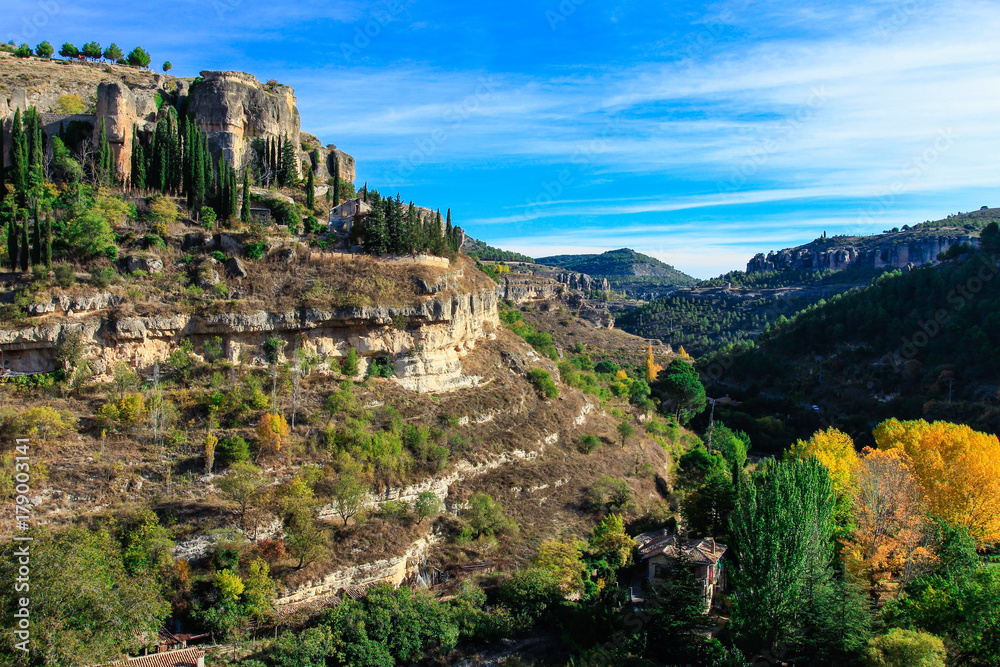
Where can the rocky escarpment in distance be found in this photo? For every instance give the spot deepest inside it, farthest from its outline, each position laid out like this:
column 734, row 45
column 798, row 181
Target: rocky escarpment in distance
column 886, row 251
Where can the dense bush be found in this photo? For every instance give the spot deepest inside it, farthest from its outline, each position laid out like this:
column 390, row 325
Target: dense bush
column 543, row 382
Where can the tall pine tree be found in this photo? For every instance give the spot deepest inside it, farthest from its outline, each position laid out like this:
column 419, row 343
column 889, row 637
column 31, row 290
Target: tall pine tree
column 19, row 159
column 103, row 158
column 287, row 174
column 336, row 180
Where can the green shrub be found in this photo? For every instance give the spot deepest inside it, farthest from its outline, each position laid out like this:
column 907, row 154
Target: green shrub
column 255, row 251
column 609, row 494
column 65, row 275
column 543, row 383
column 153, row 241
column 380, row 367
column 232, row 450
column 588, row 444
column 208, row 217
column 349, row 364
column 101, row 278
column 484, row 516
column 219, row 256
column 607, row 368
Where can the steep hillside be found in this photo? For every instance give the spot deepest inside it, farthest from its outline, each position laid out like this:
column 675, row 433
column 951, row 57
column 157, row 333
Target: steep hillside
column 917, row 344
column 485, row 252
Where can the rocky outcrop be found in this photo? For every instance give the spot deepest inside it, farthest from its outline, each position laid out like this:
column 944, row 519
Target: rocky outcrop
column 233, row 108
column 889, row 253
column 121, row 108
column 424, row 343
column 326, row 160
column 520, row 288
column 582, row 281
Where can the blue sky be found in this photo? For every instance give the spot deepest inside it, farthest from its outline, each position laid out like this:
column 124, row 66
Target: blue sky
column 700, row 133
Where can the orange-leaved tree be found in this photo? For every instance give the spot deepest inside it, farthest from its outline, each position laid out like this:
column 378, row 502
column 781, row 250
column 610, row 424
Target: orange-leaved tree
column 958, row 468
column 272, row 432
column 890, row 541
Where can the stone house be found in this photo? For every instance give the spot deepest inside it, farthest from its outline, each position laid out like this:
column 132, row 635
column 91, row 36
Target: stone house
column 342, row 216
column 703, row 555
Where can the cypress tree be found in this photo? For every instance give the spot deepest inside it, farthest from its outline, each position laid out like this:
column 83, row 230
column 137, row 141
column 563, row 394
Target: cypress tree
column 24, row 251
column 208, row 167
column 47, row 248
column 288, row 174
column 12, row 237
column 336, row 180
column 138, row 176
column 34, row 135
column 365, row 189
column 245, row 203
column 36, row 237
column 19, row 158
column 310, row 192
column 234, row 193
column 197, row 177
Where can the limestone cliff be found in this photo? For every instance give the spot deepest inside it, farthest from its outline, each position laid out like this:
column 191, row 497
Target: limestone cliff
column 425, row 343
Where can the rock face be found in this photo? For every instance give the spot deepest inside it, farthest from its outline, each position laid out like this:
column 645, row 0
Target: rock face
column 233, row 108
column 885, row 254
column 424, row 343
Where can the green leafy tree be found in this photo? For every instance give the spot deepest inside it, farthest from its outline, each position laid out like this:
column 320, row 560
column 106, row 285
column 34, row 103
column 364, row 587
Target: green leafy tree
column 138, row 57
column 69, row 51
column 23, row 51
column 427, row 506
column 44, row 50
column 242, row 486
column 485, row 516
column 167, row 66
column 245, row 199
column 113, row 53
column 625, row 432
column 92, row 50
column 782, row 530
column 86, row 608
column 683, row 388
column 349, row 491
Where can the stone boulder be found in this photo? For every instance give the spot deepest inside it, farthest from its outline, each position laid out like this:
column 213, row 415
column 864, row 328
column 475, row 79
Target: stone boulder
column 147, row 264
column 235, row 268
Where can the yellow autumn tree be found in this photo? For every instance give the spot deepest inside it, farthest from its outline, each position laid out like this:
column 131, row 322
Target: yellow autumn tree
column 890, row 541
column 958, row 468
column 683, row 353
column 564, row 559
column 652, row 368
column 835, row 450
column 272, row 431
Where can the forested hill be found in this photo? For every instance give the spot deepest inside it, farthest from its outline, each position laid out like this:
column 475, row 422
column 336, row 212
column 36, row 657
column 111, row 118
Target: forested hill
column 622, row 262
column 919, row 344
column 485, row 252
